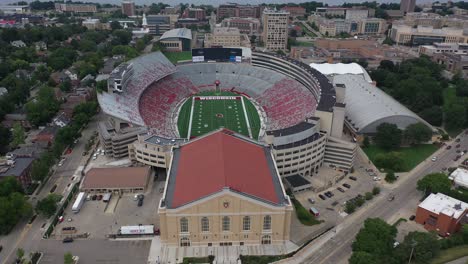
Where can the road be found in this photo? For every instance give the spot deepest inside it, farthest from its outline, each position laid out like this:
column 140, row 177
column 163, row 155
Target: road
column 26, row 235
column 338, row 249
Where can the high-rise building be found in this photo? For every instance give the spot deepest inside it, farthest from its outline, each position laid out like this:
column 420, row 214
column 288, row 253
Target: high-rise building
column 275, row 29
column 128, row 8
column 235, row 10
column 226, row 37
column 407, row 6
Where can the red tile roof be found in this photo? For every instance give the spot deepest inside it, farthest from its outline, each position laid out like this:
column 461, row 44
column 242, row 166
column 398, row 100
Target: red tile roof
column 219, row 160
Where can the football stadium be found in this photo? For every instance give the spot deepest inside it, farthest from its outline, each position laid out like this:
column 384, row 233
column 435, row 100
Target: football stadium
column 155, row 105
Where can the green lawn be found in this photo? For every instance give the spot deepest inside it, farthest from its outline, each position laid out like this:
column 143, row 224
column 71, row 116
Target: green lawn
column 260, row 259
column 451, row 254
column 303, row 214
column 209, row 115
column 174, row 57
column 412, row 156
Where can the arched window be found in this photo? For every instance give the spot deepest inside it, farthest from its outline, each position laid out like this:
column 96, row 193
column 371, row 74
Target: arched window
column 205, row 224
column 185, row 242
column 266, row 240
column 226, row 223
column 183, row 225
column 267, row 222
column 246, row 223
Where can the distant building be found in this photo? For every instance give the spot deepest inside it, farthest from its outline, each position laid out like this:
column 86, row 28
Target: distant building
column 407, row 6
column 226, row 37
column 460, row 177
column 236, row 10
column 295, row 11
column 18, row 44
column 426, row 35
column 442, row 214
column 47, row 135
column 357, row 13
column 171, row 10
column 116, row 180
column 14, row 9
column 275, row 29
column 158, row 24
column 179, row 39
column 128, row 8
column 94, row 24
column 454, row 48
column 18, row 167
column 331, row 11
column 196, row 13
column 75, row 8
column 249, row 26
column 454, row 63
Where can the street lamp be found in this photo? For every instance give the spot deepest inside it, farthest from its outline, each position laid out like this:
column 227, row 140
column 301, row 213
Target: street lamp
column 413, row 244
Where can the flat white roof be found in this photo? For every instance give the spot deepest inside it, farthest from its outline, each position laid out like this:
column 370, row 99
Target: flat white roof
column 341, row 68
column 460, row 177
column 441, row 203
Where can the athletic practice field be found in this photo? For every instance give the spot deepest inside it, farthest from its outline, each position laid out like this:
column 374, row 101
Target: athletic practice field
column 208, row 111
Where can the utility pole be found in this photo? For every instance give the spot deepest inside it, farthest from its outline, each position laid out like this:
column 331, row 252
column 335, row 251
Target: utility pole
column 413, row 244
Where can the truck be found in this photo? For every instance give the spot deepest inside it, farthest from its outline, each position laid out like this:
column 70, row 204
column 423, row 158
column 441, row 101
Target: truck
column 137, row 230
column 78, row 202
column 107, row 197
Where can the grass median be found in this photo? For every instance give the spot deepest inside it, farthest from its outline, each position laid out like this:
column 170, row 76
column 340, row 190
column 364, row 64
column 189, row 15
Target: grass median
column 451, row 254
column 303, row 215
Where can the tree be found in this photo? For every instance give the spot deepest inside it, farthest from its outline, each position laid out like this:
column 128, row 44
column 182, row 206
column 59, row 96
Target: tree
column 5, row 136
column 376, row 238
column 390, row 177
column 426, row 247
column 390, row 160
column 115, row 25
column 48, row 205
column 68, row 258
column 388, row 136
column 369, row 196
column 361, row 257
column 417, row 133
column 66, row 85
column 18, row 135
column 366, row 142
column 387, row 65
column 41, row 74
column 375, row 190
column 434, row 183
column 13, row 204
column 360, row 201
column 140, row 45
column 433, row 115
column 455, row 116
column 121, row 37
column 20, row 253
column 350, row 207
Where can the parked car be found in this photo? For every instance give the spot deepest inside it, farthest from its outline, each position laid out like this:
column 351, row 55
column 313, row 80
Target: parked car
column 68, row 228
column 340, row 189
column 99, row 197
column 1, row 248
column 140, row 202
column 322, row 197
column 449, row 147
column 457, row 146
column 312, row 201
column 353, row 178
column 94, row 197
column 411, row 218
column 141, row 197
column 346, row 185
column 457, row 140
column 391, row 197
column 327, row 195
column 434, row 159
column 157, row 232
column 67, row 240
column 335, row 203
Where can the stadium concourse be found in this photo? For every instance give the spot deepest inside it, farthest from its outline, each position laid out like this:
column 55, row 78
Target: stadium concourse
column 283, row 103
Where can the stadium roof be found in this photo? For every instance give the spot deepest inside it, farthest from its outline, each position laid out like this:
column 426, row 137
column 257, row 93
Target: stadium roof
column 367, row 106
column 221, row 160
column 341, row 68
column 177, row 33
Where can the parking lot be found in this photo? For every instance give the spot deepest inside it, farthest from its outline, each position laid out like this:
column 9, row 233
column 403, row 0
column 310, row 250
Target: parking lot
column 100, row 219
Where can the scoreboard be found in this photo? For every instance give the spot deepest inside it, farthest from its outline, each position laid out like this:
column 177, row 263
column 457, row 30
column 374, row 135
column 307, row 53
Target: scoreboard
column 217, row 54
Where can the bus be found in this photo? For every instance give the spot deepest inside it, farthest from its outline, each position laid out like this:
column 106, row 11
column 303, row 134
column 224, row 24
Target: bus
column 314, row 211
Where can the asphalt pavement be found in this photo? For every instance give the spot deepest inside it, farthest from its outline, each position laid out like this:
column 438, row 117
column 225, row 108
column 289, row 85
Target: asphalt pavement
column 338, row 248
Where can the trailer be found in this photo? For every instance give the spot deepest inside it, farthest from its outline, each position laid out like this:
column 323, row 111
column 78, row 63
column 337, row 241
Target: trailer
column 78, row 202
column 137, row 230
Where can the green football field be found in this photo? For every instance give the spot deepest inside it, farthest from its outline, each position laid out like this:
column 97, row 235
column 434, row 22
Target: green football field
column 202, row 116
